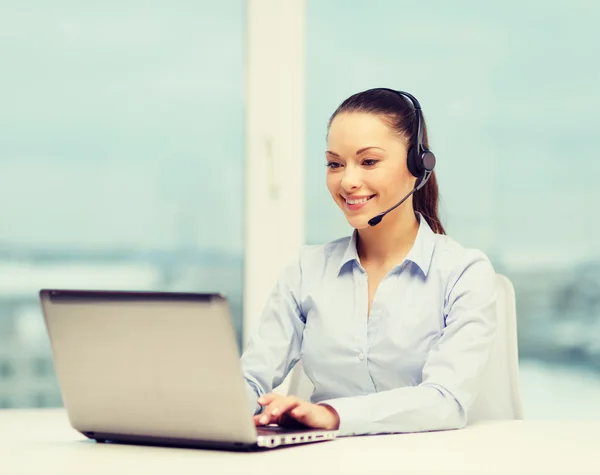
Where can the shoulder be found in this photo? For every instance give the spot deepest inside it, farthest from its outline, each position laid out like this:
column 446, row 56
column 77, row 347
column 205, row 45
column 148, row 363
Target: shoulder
column 314, row 262
column 319, row 255
column 460, row 264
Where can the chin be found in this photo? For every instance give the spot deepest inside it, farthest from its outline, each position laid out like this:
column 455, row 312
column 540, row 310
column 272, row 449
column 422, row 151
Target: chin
column 358, row 222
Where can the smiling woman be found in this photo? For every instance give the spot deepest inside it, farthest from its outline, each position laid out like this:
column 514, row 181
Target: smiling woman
column 394, row 324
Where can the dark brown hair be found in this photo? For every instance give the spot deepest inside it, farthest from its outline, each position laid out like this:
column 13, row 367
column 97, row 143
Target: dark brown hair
column 400, row 115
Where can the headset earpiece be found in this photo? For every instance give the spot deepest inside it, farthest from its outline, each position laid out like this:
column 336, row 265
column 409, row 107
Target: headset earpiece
column 427, row 160
column 414, row 163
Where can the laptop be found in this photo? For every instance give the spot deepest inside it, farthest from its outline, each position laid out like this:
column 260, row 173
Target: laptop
column 158, row 368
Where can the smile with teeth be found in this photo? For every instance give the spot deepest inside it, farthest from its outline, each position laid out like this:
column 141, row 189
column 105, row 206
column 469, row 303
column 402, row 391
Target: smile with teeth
column 360, row 200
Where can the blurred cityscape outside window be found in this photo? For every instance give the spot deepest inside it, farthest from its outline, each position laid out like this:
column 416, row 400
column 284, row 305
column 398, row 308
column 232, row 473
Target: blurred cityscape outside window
column 121, row 162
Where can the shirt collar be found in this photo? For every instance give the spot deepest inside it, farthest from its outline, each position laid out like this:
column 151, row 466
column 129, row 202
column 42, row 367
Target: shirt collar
column 350, row 253
column 420, row 254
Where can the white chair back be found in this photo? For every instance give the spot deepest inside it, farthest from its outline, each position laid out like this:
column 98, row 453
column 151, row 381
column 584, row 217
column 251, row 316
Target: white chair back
column 500, row 394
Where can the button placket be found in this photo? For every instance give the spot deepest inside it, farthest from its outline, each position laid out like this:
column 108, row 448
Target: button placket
column 361, row 305
column 377, row 307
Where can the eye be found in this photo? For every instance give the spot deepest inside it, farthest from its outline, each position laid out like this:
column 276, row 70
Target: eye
column 333, row 165
column 369, row 162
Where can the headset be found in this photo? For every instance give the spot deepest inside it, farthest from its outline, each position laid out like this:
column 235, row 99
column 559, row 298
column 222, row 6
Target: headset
column 419, row 159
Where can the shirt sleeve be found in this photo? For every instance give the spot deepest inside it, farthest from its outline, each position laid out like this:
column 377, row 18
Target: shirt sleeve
column 274, row 346
column 452, row 372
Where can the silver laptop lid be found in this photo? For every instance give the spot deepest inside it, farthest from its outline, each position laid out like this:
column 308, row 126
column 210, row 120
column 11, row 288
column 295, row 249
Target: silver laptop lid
column 145, row 363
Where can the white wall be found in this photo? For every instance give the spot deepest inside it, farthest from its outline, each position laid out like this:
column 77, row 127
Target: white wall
column 274, row 147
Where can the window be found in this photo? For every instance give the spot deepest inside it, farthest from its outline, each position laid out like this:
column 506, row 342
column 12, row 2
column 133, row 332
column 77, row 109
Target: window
column 42, row 367
column 6, row 370
column 509, row 93
column 40, row 400
column 121, row 158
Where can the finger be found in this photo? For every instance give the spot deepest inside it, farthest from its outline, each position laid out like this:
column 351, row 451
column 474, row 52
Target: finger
column 297, row 417
column 283, row 405
column 273, row 412
column 302, row 410
column 264, row 418
column 267, row 399
column 256, row 419
column 304, row 414
column 307, row 415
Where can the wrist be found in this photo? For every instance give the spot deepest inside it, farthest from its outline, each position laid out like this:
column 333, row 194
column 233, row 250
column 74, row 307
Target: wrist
column 335, row 417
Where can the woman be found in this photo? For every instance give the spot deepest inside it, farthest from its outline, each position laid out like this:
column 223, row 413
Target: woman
column 394, row 324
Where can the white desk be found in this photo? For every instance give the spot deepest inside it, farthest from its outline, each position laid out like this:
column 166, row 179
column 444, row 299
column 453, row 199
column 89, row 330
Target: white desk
column 42, row 442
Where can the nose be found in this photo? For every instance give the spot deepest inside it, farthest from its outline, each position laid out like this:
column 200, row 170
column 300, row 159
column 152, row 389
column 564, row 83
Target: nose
column 351, row 179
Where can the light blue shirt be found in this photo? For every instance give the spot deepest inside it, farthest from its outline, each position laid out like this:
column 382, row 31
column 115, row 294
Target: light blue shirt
column 413, row 365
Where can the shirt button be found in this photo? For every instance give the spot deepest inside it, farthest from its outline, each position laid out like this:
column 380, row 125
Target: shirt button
column 361, row 356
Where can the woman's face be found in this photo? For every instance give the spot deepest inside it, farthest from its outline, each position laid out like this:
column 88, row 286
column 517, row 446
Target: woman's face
column 366, row 166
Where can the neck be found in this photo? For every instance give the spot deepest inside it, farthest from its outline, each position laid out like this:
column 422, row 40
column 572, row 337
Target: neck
column 389, row 241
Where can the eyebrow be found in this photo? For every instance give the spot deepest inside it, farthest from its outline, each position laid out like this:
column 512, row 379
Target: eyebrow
column 358, row 152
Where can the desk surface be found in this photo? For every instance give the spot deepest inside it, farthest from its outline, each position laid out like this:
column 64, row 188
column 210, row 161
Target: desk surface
column 43, row 442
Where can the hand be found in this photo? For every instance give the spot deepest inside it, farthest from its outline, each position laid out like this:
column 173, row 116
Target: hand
column 287, row 410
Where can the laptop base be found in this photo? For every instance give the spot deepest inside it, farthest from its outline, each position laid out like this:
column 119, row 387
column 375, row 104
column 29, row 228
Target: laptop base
column 101, row 438
column 266, row 442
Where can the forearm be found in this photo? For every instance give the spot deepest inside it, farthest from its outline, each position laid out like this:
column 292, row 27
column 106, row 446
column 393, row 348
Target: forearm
column 411, row 409
column 274, row 346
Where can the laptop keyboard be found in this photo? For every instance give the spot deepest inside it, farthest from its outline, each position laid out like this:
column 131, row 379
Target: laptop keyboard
column 271, row 430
